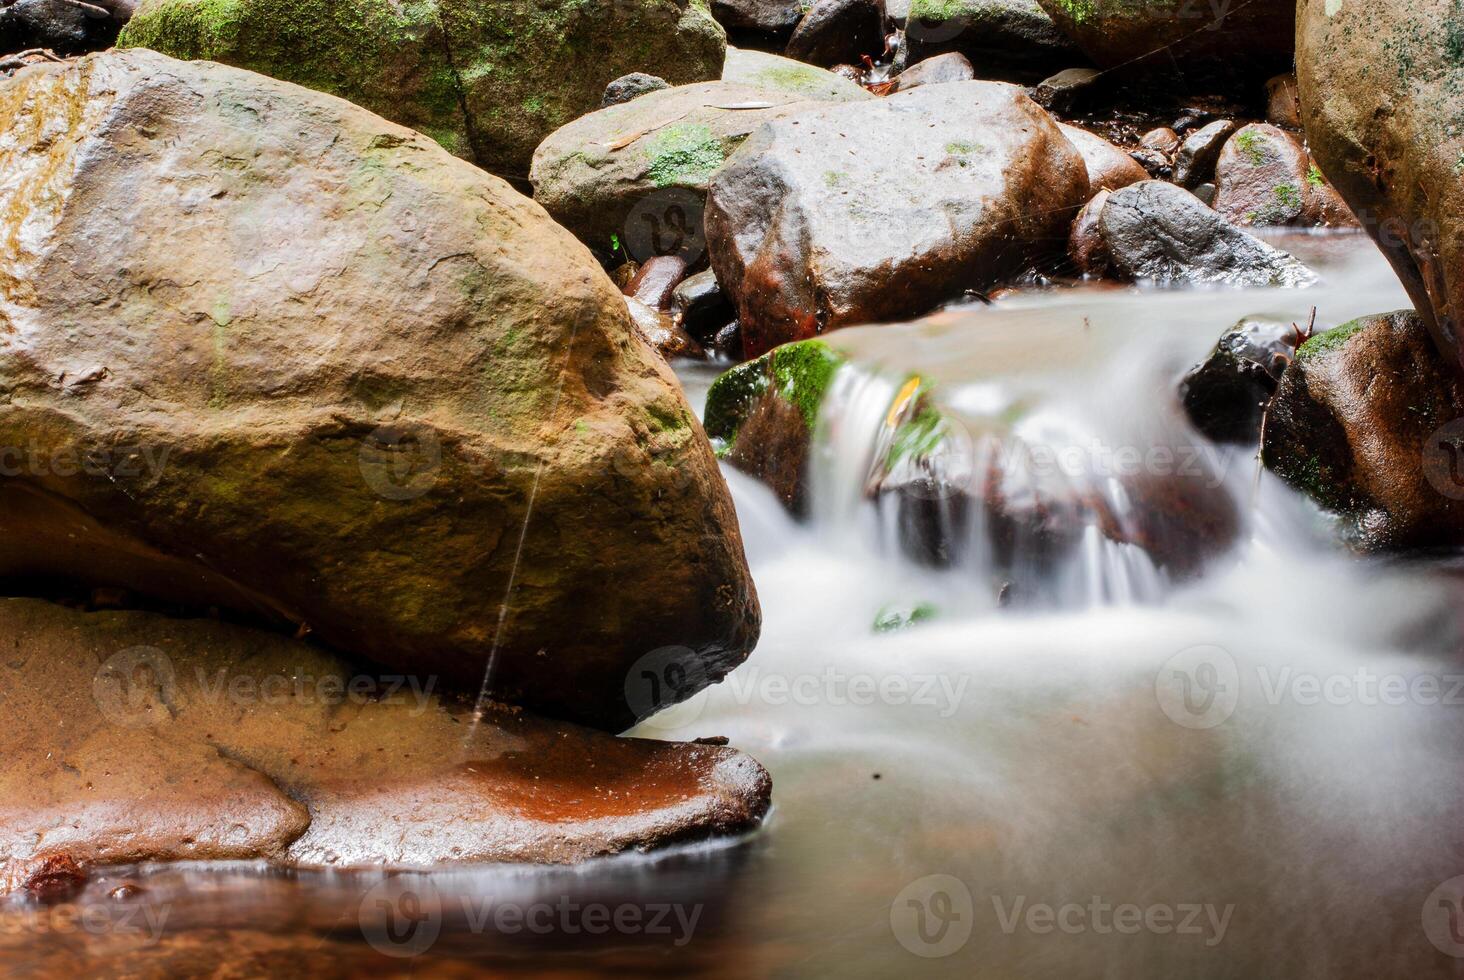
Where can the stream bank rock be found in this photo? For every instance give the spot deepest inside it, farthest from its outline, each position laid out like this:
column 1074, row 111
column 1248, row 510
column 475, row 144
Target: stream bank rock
column 422, row 438
column 1369, row 422
column 133, row 737
column 1380, row 84
column 487, row 79
column 1157, row 232
column 808, row 230
column 1005, row 40
column 1195, row 43
column 637, row 173
column 774, row 73
column 837, row 32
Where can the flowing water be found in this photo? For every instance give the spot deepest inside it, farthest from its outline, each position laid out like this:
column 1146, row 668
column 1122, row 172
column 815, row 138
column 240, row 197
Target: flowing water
column 1253, row 771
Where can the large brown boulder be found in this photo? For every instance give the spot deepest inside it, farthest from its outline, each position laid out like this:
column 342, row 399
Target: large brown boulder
column 488, row 79
column 316, row 369
column 1195, row 41
column 131, row 736
column 1379, row 84
column 875, row 211
column 1367, row 421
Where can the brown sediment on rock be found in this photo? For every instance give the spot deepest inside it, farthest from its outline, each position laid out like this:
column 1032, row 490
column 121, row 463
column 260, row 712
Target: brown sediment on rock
column 135, row 737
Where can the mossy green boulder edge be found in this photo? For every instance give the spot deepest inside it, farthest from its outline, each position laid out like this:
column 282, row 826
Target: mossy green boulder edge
column 488, row 79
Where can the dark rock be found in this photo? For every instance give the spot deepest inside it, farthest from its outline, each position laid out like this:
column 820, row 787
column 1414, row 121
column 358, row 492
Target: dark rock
column 1349, row 420
column 728, row 342
column 1226, row 395
column 1194, row 163
column 631, row 86
column 1205, row 194
column 342, row 438
column 1195, row 45
column 837, row 31
column 656, row 280
column 1109, row 168
column 1005, row 40
column 1158, row 232
column 134, row 737
column 1283, row 104
column 701, row 307
column 1068, row 90
column 60, row 26
column 807, row 232
column 949, row 67
column 758, row 22
column 1154, row 162
column 1379, row 85
column 1085, row 244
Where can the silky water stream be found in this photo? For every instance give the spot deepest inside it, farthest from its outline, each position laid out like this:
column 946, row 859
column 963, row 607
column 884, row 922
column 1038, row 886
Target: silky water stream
column 1250, row 771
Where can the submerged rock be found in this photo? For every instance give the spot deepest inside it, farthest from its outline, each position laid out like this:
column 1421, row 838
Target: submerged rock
column 421, row 438
column 1226, row 395
column 636, row 174
column 834, row 32
column 1265, row 177
column 1366, row 421
column 1158, row 232
column 808, row 231
column 134, row 737
column 1005, row 40
column 1379, row 85
column 487, row 79
column 1109, row 168
column 1195, row 43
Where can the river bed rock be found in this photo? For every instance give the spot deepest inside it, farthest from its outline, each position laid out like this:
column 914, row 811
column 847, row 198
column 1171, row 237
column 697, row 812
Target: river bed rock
column 136, row 737
column 1157, row 232
column 1366, row 421
column 774, row 73
column 1226, row 395
column 807, row 231
column 836, row 32
column 1109, row 168
column 1264, row 176
column 1005, row 40
column 1380, row 84
column 768, row 22
column 637, row 173
column 488, row 79
column 421, row 438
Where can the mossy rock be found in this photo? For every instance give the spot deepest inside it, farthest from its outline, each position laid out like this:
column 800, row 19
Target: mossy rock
column 488, row 79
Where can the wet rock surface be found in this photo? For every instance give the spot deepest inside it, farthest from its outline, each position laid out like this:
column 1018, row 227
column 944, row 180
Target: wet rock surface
column 195, row 739
column 487, row 80
column 344, row 438
column 1226, row 395
column 1379, row 86
column 1194, row 162
column 950, row 67
column 1366, row 422
column 1264, row 176
column 1158, row 232
column 807, row 233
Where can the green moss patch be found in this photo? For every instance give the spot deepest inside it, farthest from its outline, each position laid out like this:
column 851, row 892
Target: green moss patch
column 799, row 373
column 684, row 154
